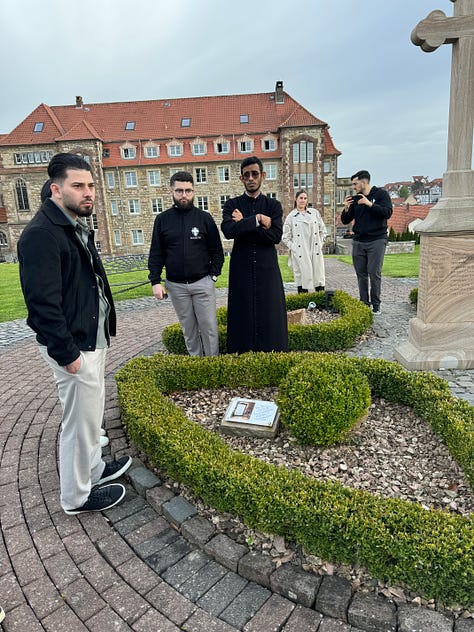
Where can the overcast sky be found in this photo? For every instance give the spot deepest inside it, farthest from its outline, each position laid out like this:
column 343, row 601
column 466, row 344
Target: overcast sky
column 349, row 62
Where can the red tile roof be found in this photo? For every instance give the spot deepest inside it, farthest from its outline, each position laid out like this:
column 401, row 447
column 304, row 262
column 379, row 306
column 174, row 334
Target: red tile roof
column 161, row 120
column 402, row 216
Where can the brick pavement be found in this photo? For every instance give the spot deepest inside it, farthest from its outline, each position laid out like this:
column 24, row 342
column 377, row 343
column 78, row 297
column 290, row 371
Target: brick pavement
column 151, row 563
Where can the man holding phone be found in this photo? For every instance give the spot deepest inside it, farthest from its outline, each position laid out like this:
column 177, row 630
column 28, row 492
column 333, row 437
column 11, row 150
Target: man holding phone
column 369, row 209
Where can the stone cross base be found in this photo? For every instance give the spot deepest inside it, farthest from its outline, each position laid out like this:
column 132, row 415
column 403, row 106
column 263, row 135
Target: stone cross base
column 442, row 334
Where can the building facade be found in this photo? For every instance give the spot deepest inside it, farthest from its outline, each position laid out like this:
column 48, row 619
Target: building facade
column 134, row 148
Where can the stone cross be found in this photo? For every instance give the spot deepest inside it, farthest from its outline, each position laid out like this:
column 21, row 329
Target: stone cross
column 432, row 32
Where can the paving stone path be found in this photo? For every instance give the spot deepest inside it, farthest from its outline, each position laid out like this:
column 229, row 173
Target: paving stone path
column 152, row 563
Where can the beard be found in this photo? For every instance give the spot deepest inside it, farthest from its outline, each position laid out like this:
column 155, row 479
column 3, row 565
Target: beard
column 78, row 209
column 183, row 203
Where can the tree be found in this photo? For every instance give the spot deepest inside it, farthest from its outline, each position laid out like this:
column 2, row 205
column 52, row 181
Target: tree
column 417, row 187
column 404, row 191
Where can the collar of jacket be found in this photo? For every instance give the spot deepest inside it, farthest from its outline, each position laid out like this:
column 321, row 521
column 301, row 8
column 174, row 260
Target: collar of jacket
column 54, row 214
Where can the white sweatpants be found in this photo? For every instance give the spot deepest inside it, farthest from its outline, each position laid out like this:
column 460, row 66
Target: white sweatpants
column 82, row 398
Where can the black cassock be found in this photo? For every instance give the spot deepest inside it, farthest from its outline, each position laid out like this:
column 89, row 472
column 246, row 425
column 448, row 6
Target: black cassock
column 256, row 318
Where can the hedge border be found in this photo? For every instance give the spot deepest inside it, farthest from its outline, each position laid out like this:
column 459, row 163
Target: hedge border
column 339, row 334
column 430, row 551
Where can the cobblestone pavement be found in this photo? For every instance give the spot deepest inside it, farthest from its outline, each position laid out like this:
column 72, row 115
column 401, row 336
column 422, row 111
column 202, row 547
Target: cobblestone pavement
column 152, row 563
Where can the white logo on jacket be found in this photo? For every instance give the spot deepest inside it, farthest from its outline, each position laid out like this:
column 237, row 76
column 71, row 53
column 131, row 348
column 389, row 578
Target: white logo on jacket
column 195, row 233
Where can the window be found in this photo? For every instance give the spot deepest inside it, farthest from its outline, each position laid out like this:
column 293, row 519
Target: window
column 114, row 207
column 134, row 207
column 137, row 237
column 201, row 175
column 3, row 239
column 98, row 247
column 302, row 152
column 272, row 195
column 156, row 205
column 106, row 153
column 203, row 202
column 309, row 180
column 38, row 127
column 32, row 157
column 326, row 166
column 151, row 151
column 22, row 195
column 222, row 148
column 223, row 174
column 110, row 175
column 326, row 199
column 223, row 200
column 117, row 237
column 303, row 180
column 130, row 125
column 244, row 118
column 94, row 222
column 246, row 146
column 130, row 179
column 128, row 153
column 185, row 122
column 271, row 171
column 175, row 150
column 174, row 170
column 269, row 144
column 199, row 149
column 154, row 178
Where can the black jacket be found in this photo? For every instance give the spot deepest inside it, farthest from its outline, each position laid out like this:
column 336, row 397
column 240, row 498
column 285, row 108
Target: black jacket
column 187, row 244
column 370, row 223
column 60, row 286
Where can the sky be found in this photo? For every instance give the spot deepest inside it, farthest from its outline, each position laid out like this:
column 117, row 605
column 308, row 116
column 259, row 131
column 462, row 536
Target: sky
column 351, row 63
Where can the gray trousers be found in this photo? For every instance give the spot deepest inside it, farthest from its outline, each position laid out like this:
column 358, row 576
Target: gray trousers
column 367, row 257
column 82, row 398
column 195, row 306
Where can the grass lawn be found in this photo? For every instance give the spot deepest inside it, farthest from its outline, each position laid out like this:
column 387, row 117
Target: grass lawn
column 12, row 305
column 395, row 266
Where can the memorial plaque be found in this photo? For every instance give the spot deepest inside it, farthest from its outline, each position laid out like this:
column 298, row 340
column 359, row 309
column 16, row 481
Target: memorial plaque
column 251, row 417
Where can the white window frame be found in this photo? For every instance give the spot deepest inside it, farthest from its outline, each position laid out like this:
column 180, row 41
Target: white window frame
column 225, row 147
column 117, row 237
column 200, row 175
column 114, row 207
column 223, row 200
column 134, row 206
column 156, row 205
column 154, row 178
column 110, row 179
column 199, row 149
column 248, row 146
column 326, row 166
column 175, row 150
column 137, row 237
column 152, row 151
column 129, row 153
column 326, row 199
column 270, row 170
column 203, row 203
column 223, row 173
column 272, row 144
column 130, row 179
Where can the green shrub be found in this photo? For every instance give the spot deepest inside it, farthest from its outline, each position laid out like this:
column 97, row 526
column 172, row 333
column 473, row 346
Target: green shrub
column 413, row 296
column 428, row 551
column 321, row 401
column 354, row 319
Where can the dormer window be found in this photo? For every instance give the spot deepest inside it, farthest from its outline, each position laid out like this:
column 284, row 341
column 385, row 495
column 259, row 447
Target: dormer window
column 244, row 118
column 130, row 126
column 38, row 127
column 269, row 144
column 186, row 122
column 128, row 152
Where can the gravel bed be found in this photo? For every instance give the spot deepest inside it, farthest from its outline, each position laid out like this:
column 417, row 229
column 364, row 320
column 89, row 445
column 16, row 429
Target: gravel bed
column 392, row 453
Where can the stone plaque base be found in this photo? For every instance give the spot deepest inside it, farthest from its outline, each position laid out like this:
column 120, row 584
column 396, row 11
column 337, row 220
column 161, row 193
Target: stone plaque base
column 442, row 334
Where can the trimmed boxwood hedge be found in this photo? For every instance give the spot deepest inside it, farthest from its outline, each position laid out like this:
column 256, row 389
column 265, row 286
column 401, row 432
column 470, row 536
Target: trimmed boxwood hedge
column 341, row 333
column 430, row 551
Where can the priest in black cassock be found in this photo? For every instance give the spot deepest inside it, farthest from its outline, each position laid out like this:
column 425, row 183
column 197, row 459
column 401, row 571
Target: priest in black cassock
column 256, row 318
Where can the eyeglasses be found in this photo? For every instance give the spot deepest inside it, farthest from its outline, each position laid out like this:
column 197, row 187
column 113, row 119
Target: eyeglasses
column 183, row 191
column 247, row 175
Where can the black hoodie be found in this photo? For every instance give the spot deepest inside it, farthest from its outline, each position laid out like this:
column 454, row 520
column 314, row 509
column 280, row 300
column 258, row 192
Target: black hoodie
column 370, row 223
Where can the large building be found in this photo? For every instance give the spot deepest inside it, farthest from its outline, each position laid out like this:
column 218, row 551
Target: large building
column 134, row 147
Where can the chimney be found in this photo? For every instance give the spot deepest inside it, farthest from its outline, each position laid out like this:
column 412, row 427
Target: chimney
column 279, row 94
column 78, row 102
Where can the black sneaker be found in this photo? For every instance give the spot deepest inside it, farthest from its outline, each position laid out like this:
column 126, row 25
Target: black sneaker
column 100, row 499
column 114, row 469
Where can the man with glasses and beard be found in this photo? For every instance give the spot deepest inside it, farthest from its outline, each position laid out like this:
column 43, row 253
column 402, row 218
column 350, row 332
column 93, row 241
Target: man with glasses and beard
column 186, row 242
column 256, row 319
column 70, row 308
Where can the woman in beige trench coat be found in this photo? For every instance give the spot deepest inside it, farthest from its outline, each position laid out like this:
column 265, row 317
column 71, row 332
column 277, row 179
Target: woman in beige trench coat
column 303, row 234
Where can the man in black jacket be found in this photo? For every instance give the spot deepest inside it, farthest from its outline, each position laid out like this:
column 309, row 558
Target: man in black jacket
column 186, row 242
column 70, row 308
column 369, row 208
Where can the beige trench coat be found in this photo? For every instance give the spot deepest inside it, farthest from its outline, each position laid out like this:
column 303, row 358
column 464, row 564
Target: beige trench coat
column 304, row 234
